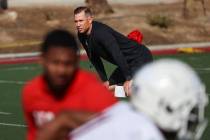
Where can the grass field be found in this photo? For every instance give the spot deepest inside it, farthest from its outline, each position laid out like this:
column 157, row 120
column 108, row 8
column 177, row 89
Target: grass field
column 12, row 78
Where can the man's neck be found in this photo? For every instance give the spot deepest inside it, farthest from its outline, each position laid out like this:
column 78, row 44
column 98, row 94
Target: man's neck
column 89, row 30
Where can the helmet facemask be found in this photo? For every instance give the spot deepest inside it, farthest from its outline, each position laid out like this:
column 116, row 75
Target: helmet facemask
column 195, row 126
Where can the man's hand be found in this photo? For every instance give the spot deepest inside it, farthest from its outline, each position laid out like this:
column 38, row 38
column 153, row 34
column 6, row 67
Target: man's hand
column 59, row 128
column 109, row 87
column 127, row 87
column 112, row 88
column 106, row 84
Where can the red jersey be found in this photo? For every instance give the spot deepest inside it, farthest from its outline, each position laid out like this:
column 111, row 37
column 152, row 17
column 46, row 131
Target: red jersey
column 84, row 93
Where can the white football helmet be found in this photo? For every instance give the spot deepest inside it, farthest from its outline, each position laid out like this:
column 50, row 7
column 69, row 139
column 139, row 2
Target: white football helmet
column 173, row 96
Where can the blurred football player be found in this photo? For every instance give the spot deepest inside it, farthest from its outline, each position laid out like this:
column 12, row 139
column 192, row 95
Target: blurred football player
column 62, row 86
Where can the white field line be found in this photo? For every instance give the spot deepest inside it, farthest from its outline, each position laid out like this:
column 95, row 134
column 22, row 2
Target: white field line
column 203, row 69
column 13, row 125
column 12, row 82
column 17, row 68
column 5, row 113
column 204, row 72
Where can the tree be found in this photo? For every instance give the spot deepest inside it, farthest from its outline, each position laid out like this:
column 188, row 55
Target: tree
column 99, row 6
column 194, row 8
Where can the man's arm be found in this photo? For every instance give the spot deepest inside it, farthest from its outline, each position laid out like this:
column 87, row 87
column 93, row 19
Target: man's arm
column 111, row 45
column 63, row 124
column 94, row 59
column 98, row 64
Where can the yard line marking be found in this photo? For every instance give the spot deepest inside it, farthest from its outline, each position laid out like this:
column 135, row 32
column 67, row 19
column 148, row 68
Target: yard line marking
column 17, row 68
column 204, row 72
column 5, row 113
column 12, row 82
column 204, row 69
column 12, row 124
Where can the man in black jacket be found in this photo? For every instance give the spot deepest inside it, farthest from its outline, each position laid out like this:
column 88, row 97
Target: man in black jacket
column 101, row 41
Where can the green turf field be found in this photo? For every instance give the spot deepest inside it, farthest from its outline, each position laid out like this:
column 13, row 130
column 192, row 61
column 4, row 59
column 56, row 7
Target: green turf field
column 13, row 76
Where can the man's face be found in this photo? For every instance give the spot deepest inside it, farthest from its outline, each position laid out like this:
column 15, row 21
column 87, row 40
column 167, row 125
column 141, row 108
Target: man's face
column 60, row 65
column 83, row 22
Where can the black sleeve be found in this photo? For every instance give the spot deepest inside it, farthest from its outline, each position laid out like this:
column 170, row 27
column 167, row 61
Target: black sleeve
column 98, row 64
column 109, row 42
column 95, row 60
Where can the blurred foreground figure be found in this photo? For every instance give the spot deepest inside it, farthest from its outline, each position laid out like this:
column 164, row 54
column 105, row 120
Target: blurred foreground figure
column 62, row 86
column 167, row 103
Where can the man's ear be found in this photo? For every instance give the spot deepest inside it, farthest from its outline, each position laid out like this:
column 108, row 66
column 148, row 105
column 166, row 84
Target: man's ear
column 90, row 19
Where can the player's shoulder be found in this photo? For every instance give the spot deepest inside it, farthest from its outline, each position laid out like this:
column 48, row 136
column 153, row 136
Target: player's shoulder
column 33, row 84
column 145, row 124
column 137, row 123
column 90, row 81
column 133, row 125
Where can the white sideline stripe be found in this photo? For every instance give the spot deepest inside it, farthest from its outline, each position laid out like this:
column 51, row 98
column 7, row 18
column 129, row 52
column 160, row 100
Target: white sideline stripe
column 175, row 46
column 5, row 113
column 12, row 82
column 19, row 55
column 12, row 124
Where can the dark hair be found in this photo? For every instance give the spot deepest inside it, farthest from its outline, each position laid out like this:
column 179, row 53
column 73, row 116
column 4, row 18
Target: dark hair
column 59, row 38
column 87, row 10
